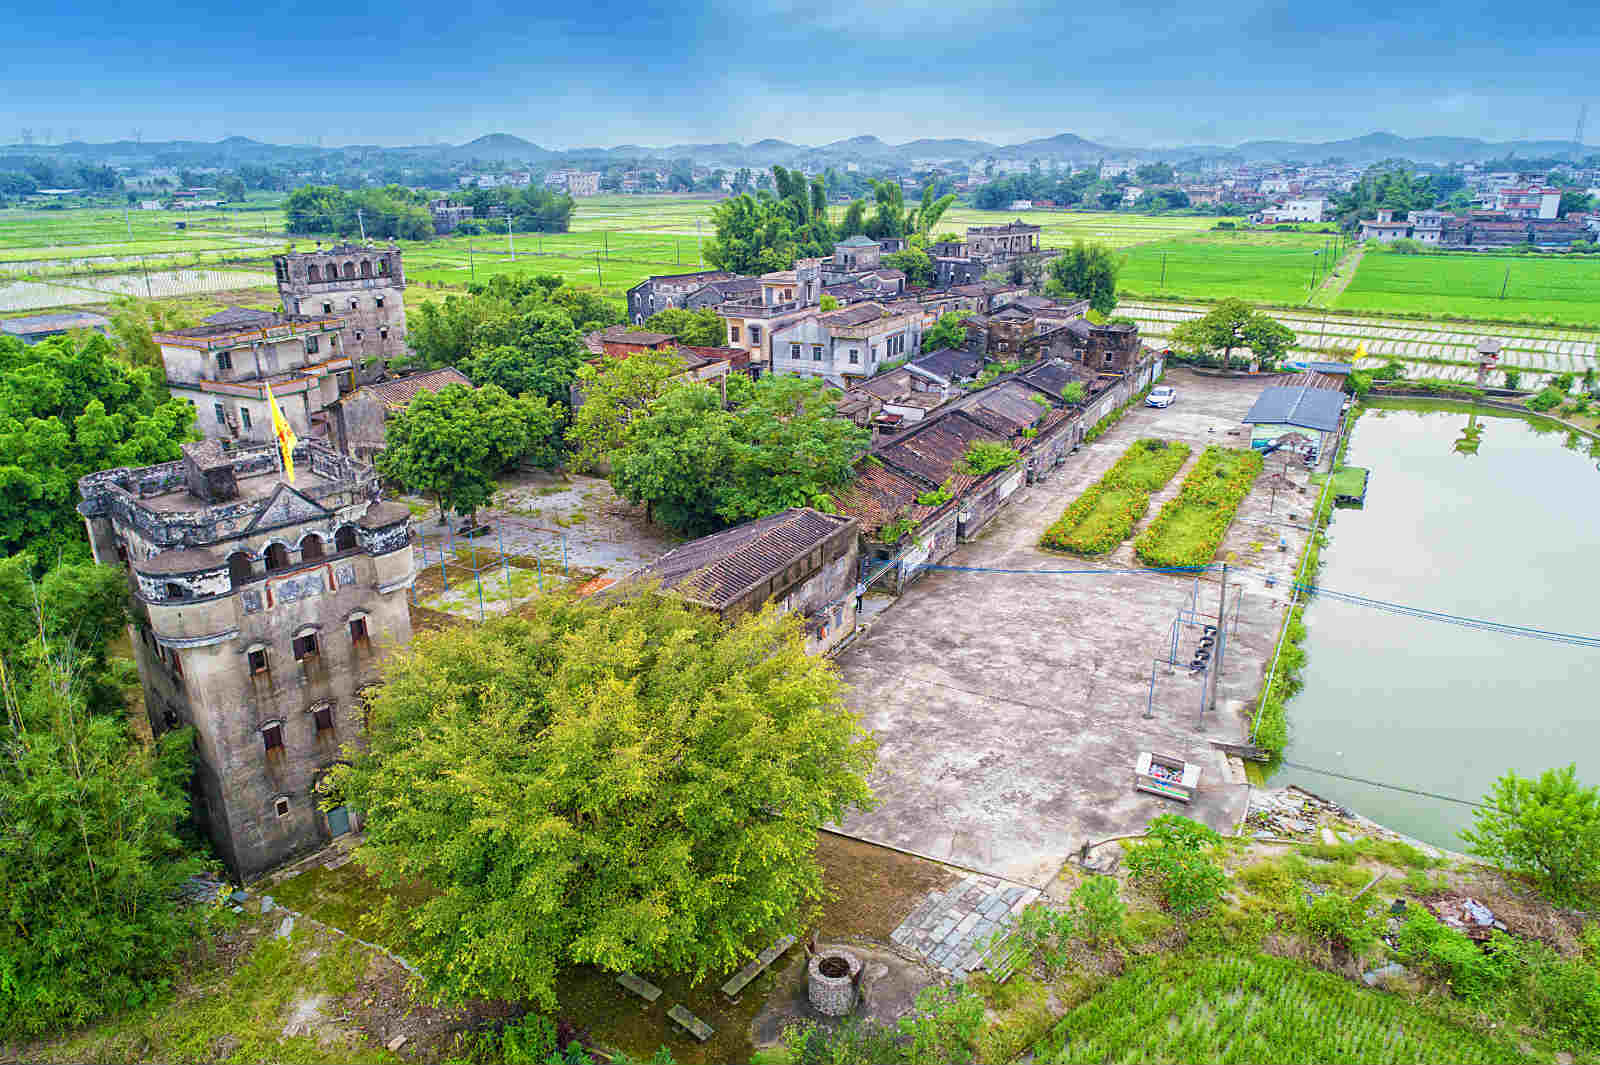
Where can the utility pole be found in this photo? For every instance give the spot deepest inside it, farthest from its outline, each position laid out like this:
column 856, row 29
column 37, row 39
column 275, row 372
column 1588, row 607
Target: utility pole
column 605, row 236
column 700, row 250
column 510, row 239
column 128, row 221
column 1163, row 270
column 362, row 222
column 1505, row 282
column 471, row 265
column 598, row 279
column 147, row 293
column 1222, row 641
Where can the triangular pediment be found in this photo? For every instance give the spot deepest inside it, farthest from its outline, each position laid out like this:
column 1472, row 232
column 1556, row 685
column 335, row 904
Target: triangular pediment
column 287, row 507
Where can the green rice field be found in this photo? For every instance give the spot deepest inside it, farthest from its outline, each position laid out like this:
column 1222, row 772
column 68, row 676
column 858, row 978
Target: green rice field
column 1254, row 1009
column 1263, row 267
column 1061, row 228
column 1550, row 288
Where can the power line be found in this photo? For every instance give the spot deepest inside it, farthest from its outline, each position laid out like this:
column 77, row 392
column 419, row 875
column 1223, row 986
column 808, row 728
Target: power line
column 1381, row 784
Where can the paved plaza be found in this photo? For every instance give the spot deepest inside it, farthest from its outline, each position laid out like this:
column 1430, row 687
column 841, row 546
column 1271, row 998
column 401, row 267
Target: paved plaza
column 1010, row 707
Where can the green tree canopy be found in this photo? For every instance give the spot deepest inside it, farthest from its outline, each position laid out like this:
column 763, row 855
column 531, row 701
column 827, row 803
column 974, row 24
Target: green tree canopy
column 70, row 408
column 1086, row 272
column 915, row 263
column 950, row 331
column 1547, row 829
column 1231, row 324
column 536, row 314
column 762, row 233
column 698, row 467
column 616, row 392
column 450, row 444
column 89, row 851
column 537, row 352
column 634, row 786
column 702, row 328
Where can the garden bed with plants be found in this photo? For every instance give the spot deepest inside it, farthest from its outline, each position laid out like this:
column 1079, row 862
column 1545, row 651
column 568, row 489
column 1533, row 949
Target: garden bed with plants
column 1191, row 526
column 1105, row 514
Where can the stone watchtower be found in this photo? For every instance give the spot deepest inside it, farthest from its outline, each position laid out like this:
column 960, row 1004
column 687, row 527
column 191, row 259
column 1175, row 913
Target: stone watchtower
column 262, row 609
column 363, row 285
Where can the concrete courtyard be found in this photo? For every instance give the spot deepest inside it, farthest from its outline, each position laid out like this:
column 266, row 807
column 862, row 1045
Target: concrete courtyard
column 1010, row 707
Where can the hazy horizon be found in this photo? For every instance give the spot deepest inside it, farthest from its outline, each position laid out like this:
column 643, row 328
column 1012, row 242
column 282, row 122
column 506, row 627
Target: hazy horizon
column 1157, row 74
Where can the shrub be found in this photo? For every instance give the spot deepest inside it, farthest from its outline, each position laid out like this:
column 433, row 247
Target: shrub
column 1098, row 910
column 1104, row 515
column 1073, row 393
column 1547, row 829
column 1448, row 955
column 1563, row 382
column 1546, row 399
column 1513, row 377
column 985, row 456
column 1191, row 526
column 1341, row 921
column 936, row 497
column 1173, row 860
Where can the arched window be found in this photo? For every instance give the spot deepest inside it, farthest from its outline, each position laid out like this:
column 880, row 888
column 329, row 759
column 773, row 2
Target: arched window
column 311, row 548
column 176, row 591
column 345, row 538
column 277, row 557
column 312, row 273
column 366, row 268
column 239, row 569
column 349, row 271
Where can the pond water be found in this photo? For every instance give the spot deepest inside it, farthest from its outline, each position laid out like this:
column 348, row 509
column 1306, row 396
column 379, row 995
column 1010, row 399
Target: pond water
column 1508, row 533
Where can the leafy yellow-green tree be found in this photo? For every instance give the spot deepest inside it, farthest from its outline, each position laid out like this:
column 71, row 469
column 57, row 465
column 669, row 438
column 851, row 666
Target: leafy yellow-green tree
column 1547, row 829
column 632, row 785
column 449, row 444
column 615, row 392
column 703, row 328
column 1234, row 324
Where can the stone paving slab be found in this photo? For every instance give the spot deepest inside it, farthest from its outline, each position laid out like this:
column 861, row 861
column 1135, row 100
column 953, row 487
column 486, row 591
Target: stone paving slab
column 690, row 1023
column 639, row 986
column 951, row 928
column 757, row 966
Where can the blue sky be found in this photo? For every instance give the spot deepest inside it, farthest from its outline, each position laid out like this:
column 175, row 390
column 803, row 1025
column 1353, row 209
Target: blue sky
column 598, row 72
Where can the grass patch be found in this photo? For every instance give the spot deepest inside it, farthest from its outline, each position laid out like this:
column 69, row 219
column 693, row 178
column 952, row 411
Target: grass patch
column 1266, row 267
column 1258, row 1008
column 1105, row 514
column 1191, row 526
column 1543, row 288
column 237, row 1017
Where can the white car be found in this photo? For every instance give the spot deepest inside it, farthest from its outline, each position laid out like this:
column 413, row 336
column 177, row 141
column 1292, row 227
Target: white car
column 1161, row 396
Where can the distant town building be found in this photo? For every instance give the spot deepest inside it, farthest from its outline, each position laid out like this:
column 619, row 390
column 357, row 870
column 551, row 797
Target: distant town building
column 1384, row 229
column 574, row 182
column 447, row 214
column 264, row 611
column 1543, row 203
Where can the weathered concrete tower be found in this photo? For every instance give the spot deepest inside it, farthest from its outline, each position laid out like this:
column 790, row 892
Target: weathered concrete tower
column 262, row 609
column 363, row 285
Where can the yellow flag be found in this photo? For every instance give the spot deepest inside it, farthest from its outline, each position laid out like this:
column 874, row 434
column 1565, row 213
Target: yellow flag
column 1361, row 353
column 285, row 434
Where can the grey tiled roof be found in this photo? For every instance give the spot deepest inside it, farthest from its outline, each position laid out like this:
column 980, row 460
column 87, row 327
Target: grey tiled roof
column 716, row 570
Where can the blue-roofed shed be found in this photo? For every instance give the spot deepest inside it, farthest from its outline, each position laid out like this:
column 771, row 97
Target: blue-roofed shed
column 1284, row 415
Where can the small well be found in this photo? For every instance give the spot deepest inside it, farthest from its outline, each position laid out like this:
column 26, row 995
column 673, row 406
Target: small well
column 832, row 979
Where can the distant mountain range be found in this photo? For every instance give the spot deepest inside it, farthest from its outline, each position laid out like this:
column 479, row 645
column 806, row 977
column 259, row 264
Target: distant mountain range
column 865, row 150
